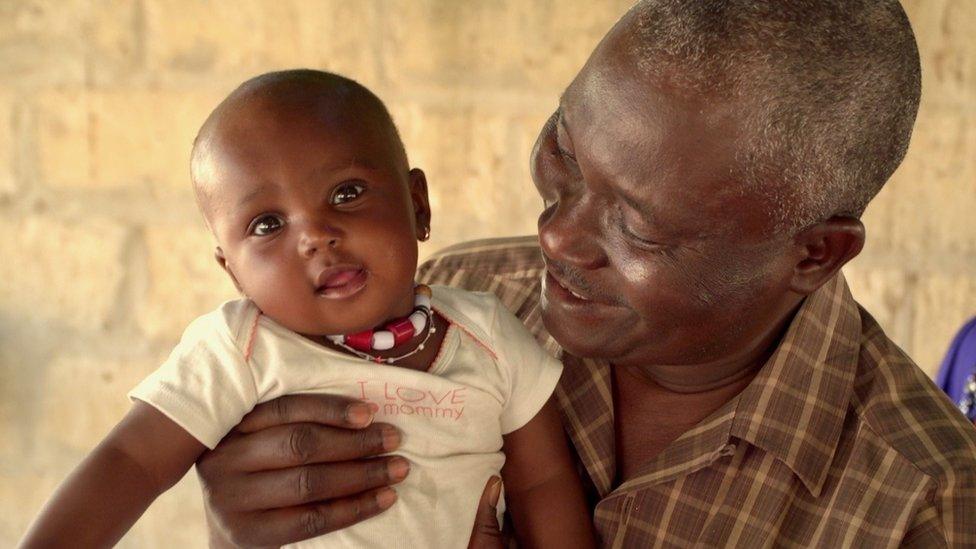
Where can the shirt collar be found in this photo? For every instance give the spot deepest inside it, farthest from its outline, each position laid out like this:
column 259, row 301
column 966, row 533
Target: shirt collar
column 796, row 406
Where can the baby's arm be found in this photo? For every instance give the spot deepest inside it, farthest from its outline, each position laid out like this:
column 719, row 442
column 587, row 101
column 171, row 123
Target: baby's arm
column 95, row 506
column 542, row 488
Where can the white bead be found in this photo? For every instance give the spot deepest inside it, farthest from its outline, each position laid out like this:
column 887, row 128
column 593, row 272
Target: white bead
column 419, row 320
column 421, row 301
column 383, row 340
column 337, row 339
column 420, row 347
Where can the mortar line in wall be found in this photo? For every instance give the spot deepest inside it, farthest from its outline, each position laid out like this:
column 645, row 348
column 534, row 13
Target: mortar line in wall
column 25, row 160
column 911, row 283
column 134, row 259
column 378, row 45
column 511, row 101
column 119, row 209
column 139, row 27
column 950, row 262
column 510, row 98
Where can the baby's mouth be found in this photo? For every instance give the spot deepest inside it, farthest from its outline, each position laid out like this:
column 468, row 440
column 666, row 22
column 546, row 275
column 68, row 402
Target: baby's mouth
column 340, row 281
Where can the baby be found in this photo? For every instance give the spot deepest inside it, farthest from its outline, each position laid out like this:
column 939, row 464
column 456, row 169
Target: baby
column 304, row 182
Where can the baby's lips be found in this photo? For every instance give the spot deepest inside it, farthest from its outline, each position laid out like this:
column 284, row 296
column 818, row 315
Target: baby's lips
column 334, row 277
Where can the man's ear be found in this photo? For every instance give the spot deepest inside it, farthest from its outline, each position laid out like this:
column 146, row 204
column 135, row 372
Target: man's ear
column 824, row 248
column 222, row 261
column 421, row 203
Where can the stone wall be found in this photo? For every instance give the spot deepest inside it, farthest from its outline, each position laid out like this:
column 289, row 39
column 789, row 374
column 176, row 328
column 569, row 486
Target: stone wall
column 99, row 103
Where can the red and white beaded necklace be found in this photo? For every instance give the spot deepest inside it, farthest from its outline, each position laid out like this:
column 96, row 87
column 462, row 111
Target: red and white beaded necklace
column 396, row 332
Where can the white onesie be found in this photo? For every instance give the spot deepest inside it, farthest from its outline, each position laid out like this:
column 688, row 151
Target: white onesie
column 489, row 379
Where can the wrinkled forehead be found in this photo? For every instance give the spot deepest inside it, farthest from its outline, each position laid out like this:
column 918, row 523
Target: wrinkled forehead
column 646, row 124
column 647, row 138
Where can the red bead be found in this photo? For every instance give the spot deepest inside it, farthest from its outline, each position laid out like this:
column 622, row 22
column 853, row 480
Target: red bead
column 402, row 330
column 363, row 341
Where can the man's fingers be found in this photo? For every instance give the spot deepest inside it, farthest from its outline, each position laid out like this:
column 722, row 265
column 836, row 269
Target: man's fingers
column 281, row 526
column 337, row 411
column 312, row 483
column 304, row 443
column 486, row 533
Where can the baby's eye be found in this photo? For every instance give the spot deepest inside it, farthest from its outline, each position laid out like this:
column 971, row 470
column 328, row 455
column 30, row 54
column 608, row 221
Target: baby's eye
column 265, row 225
column 347, row 192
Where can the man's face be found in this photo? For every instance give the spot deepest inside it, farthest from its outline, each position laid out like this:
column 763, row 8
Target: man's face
column 316, row 217
column 654, row 255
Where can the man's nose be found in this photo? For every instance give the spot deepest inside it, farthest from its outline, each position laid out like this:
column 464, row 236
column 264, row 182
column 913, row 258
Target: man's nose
column 569, row 232
column 315, row 237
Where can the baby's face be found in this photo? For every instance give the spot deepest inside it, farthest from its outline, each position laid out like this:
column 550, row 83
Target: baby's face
column 317, row 220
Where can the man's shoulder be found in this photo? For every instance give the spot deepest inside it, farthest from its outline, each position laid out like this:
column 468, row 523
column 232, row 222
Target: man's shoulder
column 477, row 259
column 898, row 402
column 509, row 268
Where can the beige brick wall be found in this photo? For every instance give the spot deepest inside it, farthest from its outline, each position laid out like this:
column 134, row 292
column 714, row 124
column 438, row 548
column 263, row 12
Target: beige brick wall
column 106, row 260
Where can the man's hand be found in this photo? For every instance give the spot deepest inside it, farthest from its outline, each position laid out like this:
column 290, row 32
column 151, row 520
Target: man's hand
column 298, row 467
column 486, row 533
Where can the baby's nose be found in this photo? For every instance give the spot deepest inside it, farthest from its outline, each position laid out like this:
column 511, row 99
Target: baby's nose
column 315, row 239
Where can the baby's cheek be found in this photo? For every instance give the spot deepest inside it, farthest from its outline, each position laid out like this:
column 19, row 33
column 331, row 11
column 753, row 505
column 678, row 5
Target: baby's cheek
column 273, row 285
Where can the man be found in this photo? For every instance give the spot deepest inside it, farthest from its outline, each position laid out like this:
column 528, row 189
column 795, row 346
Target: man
column 702, row 177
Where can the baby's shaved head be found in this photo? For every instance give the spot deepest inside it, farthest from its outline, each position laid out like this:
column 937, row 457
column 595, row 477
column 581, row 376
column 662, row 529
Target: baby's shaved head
column 308, row 93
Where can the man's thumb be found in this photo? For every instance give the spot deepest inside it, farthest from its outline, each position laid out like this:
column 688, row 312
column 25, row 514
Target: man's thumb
column 486, row 533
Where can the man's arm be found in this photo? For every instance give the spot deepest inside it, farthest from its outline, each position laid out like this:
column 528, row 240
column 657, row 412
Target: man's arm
column 542, row 488
column 103, row 497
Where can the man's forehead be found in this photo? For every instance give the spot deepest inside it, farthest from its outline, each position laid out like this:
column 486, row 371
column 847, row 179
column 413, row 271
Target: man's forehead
column 614, row 113
column 657, row 147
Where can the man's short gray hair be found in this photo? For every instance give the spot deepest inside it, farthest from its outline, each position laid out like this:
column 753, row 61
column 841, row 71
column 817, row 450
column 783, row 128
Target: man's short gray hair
column 829, row 89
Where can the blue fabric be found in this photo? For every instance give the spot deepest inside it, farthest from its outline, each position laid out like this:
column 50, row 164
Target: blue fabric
column 957, row 375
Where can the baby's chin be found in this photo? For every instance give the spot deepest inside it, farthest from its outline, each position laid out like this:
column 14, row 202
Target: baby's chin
column 322, row 329
column 318, row 328
column 321, row 317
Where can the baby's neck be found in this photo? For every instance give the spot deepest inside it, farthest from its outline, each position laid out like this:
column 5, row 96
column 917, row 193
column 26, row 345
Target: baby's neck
column 421, row 360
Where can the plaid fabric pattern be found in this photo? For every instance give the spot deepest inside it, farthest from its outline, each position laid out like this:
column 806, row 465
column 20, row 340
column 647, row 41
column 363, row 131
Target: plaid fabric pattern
column 839, row 441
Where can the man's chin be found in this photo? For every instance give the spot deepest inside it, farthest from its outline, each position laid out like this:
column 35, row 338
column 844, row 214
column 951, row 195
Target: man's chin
column 576, row 340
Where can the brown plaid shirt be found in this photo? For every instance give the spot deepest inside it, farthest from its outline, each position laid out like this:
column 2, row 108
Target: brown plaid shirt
column 839, row 441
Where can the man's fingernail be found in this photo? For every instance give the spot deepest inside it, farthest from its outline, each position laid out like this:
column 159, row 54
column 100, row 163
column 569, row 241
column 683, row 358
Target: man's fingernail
column 359, row 414
column 398, row 468
column 495, row 492
column 391, row 438
column 385, row 497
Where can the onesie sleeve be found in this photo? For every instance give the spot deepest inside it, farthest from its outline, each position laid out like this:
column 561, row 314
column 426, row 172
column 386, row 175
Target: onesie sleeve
column 205, row 386
column 532, row 373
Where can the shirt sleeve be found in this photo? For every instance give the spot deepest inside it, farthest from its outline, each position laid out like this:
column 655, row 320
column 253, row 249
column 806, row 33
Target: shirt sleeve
column 532, row 373
column 205, row 386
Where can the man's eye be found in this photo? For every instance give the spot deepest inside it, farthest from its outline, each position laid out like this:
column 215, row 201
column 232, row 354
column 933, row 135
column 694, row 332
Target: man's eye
column 646, row 244
column 634, row 237
column 565, row 154
column 347, row 192
column 265, row 225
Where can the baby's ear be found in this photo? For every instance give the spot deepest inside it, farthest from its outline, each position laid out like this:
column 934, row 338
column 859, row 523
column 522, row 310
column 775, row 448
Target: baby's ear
column 421, row 204
column 222, row 261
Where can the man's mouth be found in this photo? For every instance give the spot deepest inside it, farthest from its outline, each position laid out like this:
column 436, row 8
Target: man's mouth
column 340, row 281
column 574, row 294
column 573, row 288
column 554, row 279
